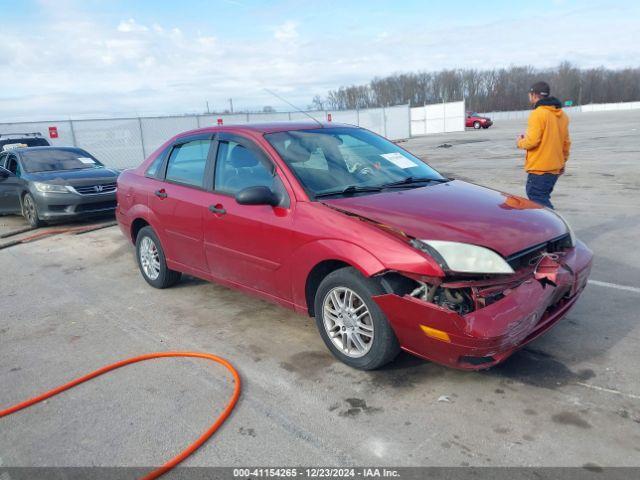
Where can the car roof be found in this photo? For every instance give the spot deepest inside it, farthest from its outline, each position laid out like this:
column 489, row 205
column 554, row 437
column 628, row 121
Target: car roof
column 21, row 135
column 50, row 147
column 269, row 127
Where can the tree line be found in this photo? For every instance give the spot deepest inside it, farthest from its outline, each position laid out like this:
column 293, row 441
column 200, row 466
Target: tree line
column 487, row 90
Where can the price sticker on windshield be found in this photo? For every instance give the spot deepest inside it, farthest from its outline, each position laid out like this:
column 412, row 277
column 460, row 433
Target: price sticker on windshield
column 399, row 160
column 87, row 160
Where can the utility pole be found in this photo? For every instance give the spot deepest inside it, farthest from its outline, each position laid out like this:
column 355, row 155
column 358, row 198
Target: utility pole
column 208, row 111
column 231, row 105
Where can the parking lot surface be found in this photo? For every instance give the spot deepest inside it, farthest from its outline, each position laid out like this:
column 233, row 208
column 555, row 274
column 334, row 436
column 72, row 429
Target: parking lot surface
column 72, row 303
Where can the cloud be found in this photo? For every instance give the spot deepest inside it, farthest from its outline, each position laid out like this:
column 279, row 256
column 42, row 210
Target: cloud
column 287, row 31
column 131, row 26
column 81, row 65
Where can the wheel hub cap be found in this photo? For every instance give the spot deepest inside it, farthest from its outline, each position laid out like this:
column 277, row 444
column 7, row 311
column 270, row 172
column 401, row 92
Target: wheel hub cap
column 149, row 258
column 348, row 322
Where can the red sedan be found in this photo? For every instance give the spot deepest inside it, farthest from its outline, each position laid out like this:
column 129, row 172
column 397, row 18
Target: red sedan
column 477, row 121
column 341, row 224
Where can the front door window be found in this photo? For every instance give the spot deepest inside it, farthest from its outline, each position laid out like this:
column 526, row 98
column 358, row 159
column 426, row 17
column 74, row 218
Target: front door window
column 238, row 167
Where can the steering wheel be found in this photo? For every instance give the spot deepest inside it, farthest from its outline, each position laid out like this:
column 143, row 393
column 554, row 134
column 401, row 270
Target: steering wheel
column 360, row 170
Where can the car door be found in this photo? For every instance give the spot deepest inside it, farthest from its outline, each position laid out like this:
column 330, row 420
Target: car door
column 179, row 201
column 10, row 184
column 248, row 244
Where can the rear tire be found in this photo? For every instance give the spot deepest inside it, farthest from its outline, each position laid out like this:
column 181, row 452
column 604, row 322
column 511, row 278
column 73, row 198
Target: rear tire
column 362, row 340
column 152, row 262
column 30, row 211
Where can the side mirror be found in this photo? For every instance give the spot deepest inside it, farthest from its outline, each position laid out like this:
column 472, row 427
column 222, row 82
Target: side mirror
column 4, row 173
column 257, row 196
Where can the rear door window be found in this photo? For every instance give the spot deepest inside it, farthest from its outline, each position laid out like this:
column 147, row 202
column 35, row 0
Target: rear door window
column 188, row 161
column 155, row 169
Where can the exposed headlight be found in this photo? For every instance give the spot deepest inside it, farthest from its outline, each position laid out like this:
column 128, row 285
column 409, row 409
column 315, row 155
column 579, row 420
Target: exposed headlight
column 463, row 257
column 50, row 188
column 569, row 229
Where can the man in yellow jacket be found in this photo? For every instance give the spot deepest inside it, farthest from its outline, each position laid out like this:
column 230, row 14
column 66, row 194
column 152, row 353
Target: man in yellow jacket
column 546, row 142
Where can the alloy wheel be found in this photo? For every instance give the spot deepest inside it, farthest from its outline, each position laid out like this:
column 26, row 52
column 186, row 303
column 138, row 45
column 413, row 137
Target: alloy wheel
column 30, row 210
column 348, row 322
column 149, row 258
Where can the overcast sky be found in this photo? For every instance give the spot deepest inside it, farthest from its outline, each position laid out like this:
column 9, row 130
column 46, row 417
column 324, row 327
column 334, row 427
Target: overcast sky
column 80, row 58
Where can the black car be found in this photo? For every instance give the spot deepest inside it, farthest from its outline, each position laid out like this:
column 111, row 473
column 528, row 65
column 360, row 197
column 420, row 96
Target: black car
column 50, row 183
column 23, row 139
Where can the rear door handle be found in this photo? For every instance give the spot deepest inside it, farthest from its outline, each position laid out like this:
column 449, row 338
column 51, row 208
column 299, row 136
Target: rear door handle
column 161, row 193
column 219, row 209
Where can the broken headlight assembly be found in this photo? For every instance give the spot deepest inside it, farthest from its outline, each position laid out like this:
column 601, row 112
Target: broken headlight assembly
column 459, row 300
column 463, row 257
column 462, row 261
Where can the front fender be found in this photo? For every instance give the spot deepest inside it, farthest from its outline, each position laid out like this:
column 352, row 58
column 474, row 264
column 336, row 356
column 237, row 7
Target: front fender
column 306, row 257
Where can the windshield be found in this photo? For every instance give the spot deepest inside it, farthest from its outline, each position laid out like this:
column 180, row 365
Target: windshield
column 52, row 159
column 348, row 160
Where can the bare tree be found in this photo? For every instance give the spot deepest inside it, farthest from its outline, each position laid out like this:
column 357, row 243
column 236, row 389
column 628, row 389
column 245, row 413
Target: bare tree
column 487, row 90
column 317, row 103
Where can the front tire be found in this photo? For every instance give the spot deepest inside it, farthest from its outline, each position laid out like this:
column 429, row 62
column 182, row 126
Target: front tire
column 30, row 211
column 152, row 262
column 476, row 125
column 351, row 324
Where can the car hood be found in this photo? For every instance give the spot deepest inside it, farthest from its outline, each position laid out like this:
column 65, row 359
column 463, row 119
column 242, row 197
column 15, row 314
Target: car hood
column 86, row 176
column 460, row 212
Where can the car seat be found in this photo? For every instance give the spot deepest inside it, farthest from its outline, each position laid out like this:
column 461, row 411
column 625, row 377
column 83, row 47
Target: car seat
column 244, row 170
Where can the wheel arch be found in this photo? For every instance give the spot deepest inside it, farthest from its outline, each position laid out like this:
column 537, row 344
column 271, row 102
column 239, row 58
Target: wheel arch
column 315, row 277
column 136, row 218
column 138, row 224
column 312, row 263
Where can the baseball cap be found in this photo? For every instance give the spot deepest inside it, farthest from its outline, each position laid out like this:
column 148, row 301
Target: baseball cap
column 541, row 88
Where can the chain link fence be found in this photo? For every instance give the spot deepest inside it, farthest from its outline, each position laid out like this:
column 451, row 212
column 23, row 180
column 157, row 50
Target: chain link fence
column 126, row 142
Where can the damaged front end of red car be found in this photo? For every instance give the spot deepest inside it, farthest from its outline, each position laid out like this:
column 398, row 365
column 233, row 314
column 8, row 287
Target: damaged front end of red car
column 475, row 322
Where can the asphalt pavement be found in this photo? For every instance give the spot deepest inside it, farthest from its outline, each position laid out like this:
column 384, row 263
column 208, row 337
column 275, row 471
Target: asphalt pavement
column 72, row 303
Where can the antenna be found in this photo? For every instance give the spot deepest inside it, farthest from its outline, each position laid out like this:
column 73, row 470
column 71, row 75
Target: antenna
column 292, row 105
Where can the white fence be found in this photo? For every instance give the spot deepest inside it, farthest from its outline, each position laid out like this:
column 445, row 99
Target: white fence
column 592, row 107
column 126, row 142
column 437, row 118
column 607, row 107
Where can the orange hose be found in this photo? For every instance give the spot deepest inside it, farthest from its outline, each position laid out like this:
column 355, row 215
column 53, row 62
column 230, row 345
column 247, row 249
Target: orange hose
column 191, row 448
column 55, row 231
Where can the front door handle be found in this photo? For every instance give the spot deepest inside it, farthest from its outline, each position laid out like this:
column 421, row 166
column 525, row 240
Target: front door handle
column 218, row 208
column 161, row 193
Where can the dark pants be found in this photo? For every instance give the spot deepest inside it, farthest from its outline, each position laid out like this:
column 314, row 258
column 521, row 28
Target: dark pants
column 539, row 188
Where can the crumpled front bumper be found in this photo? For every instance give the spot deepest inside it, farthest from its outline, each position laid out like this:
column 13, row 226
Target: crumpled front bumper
column 490, row 334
